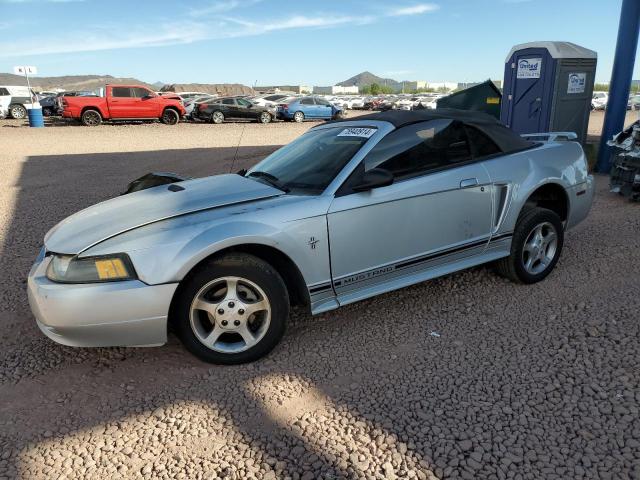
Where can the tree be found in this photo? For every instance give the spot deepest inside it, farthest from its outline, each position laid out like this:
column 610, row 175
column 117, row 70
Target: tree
column 375, row 89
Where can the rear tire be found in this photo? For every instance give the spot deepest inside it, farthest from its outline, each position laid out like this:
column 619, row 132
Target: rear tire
column 535, row 247
column 217, row 117
column 17, row 111
column 91, row 118
column 170, row 117
column 298, row 117
column 210, row 317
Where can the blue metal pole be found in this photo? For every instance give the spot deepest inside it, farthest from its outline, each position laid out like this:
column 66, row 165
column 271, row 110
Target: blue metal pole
column 621, row 77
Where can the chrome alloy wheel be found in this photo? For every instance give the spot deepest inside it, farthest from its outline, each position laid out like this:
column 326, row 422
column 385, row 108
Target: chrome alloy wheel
column 217, row 117
column 540, row 248
column 230, row 314
column 265, row 117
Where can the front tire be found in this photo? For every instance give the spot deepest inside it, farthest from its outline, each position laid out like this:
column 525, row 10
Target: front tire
column 232, row 310
column 535, row 248
column 265, row 117
column 17, row 111
column 91, row 118
column 170, row 117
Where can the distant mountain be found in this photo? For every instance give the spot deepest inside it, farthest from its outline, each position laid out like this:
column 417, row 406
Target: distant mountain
column 68, row 82
column 158, row 85
column 367, row 78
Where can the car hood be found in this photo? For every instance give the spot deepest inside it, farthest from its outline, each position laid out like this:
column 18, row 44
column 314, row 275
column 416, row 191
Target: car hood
column 95, row 224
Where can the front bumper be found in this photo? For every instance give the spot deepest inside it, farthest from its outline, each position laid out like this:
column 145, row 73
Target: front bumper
column 129, row 313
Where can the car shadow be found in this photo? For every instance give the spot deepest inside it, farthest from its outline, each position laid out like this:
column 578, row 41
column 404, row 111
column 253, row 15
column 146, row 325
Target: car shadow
column 467, row 375
column 51, row 393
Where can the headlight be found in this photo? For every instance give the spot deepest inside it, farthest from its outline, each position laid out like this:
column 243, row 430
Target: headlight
column 105, row 268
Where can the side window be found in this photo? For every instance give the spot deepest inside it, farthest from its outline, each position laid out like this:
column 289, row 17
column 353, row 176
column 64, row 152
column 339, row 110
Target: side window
column 141, row 92
column 417, row 149
column 307, row 101
column 228, row 101
column 481, row 145
column 4, row 91
column 121, row 92
column 321, row 101
column 244, row 103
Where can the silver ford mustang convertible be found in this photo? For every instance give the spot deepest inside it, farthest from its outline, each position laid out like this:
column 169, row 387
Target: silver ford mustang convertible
column 349, row 210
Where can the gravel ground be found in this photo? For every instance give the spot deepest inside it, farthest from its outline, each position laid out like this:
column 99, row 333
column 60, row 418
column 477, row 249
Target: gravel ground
column 521, row 382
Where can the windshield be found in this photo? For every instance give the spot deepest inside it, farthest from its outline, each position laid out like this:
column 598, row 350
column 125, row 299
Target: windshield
column 309, row 163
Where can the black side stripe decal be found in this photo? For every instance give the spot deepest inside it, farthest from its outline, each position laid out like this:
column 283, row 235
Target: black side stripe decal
column 441, row 253
column 414, row 261
column 320, row 288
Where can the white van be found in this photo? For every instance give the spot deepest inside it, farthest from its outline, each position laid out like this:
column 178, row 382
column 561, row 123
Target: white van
column 16, row 98
column 4, row 106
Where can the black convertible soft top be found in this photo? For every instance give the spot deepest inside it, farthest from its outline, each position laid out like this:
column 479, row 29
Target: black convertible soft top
column 507, row 140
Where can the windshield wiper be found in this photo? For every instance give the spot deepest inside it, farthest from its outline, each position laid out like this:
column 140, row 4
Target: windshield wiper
column 271, row 179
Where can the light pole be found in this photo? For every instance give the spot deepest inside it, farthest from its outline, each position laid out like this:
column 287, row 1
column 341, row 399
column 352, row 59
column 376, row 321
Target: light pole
column 621, row 76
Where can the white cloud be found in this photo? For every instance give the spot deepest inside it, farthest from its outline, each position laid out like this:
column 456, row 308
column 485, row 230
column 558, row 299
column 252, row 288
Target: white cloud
column 221, row 6
column 414, row 10
column 208, row 26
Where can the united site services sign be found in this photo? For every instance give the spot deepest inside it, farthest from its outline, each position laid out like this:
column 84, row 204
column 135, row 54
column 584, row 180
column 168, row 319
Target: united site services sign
column 529, row 67
column 577, row 82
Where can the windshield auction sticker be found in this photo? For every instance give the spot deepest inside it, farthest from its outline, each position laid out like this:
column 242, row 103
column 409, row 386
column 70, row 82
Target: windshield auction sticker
column 357, row 132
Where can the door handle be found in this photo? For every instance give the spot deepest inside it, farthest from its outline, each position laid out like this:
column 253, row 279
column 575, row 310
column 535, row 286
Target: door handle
column 468, row 182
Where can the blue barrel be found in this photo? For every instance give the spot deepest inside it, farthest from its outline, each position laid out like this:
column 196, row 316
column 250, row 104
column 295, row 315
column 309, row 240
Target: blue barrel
column 35, row 117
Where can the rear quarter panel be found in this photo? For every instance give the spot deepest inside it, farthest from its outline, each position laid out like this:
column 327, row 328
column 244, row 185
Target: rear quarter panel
column 75, row 105
column 561, row 163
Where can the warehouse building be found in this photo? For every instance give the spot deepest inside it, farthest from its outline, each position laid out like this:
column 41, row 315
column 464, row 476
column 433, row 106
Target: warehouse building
column 336, row 90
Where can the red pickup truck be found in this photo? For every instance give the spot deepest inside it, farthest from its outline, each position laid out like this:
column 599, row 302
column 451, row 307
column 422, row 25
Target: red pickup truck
column 123, row 102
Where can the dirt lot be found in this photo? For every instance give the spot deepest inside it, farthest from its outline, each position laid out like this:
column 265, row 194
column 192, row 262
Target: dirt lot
column 522, row 382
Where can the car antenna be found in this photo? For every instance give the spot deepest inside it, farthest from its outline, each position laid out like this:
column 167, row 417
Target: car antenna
column 235, row 155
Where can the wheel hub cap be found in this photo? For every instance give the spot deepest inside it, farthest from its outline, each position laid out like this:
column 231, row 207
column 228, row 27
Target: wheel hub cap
column 540, row 248
column 230, row 314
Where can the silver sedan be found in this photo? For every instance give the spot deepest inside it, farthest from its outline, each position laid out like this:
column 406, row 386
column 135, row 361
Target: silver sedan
column 349, row 210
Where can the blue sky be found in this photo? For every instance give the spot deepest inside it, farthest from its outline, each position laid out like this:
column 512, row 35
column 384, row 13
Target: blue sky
column 294, row 42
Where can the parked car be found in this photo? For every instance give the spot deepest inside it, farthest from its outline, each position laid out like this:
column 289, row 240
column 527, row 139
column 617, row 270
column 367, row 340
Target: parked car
column 18, row 97
column 49, row 105
column 268, row 100
column 190, row 104
column 404, row 104
column 303, row 108
column 634, row 102
column 185, row 95
column 372, row 103
column 123, row 102
column 348, row 210
column 599, row 100
column 218, row 110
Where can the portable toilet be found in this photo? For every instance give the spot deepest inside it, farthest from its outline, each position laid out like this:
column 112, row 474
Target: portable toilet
column 548, row 87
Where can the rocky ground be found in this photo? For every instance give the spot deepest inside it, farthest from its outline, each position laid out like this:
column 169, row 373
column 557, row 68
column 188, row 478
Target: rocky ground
column 468, row 376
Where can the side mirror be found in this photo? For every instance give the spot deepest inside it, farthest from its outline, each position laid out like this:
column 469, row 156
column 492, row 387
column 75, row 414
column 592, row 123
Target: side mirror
column 374, row 178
